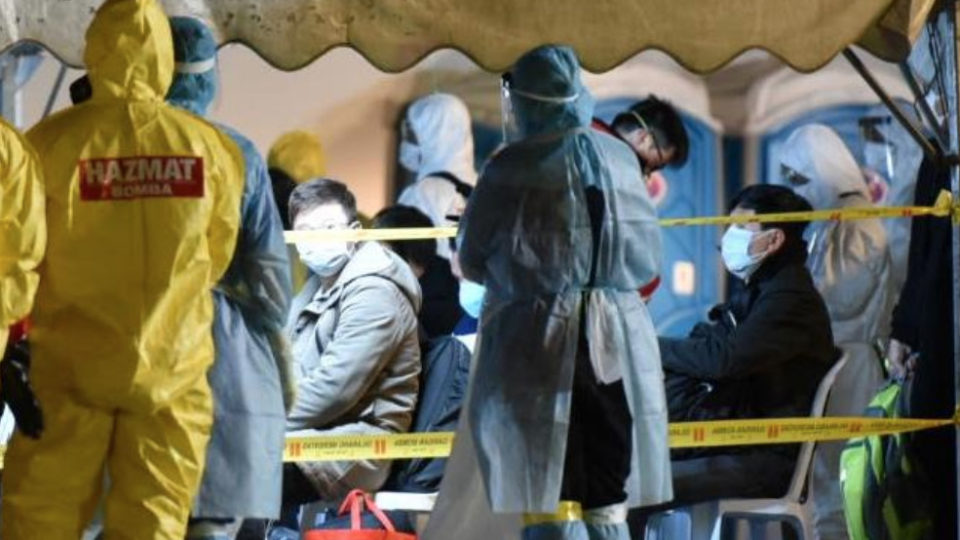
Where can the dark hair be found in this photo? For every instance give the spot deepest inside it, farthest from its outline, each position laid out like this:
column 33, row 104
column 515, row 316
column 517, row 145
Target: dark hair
column 283, row 186
column 322, row 191
column 419, row 252
column 81, row 90
column 771, row 199
column 663, row 120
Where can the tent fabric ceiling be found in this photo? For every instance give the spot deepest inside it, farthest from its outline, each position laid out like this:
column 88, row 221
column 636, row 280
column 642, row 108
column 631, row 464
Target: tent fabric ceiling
column 395, row 34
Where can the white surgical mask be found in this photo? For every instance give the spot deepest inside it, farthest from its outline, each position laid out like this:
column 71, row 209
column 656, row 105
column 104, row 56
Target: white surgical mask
column 410, row 156
column 324, row 259
column 471, row 298
column 735, row 249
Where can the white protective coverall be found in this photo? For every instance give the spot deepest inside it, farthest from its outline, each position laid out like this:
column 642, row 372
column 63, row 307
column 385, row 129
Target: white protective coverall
column 850, row 264
column 444, row 144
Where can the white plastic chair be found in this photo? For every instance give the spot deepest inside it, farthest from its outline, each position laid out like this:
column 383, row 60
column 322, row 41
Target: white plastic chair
column 420, row 504
column 796, row 506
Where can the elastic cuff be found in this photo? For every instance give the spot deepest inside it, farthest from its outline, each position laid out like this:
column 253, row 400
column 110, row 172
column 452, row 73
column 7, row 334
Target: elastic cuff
column 566, row 511
column 606, row 515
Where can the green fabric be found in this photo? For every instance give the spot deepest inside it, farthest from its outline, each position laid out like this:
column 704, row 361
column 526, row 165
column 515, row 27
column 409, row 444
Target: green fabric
column 883, row 486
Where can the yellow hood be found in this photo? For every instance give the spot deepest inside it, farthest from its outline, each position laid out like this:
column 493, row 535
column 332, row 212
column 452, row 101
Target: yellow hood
column 129, row 51
column 299, row 154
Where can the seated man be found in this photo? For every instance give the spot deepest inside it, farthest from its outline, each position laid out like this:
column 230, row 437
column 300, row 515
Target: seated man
column 353, row 329
column 763, row 354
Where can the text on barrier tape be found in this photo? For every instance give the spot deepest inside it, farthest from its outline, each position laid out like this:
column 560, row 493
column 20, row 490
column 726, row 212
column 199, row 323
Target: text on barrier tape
column 943, row 207
column 682, row 435
column 354, row 447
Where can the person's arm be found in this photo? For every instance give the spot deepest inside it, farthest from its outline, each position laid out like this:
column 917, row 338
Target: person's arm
column 227, row 193
column 22, row 246
column 773, row 329
column 370, row 327
column 263, row 261
column 480, row 227
column 263, row 253
column 23, row 221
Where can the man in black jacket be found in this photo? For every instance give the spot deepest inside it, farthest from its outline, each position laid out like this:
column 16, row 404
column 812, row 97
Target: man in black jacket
column 923, row 324
column 763, row 354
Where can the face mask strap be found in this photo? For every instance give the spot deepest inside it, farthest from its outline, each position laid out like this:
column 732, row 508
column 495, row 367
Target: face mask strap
column 195, row 68
column 546, row 99
column 646, row 127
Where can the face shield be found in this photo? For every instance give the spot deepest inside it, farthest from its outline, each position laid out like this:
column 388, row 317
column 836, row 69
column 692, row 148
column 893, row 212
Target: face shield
column 511, row 132
column 879, row 156
column 654, row 161
column 510, row 122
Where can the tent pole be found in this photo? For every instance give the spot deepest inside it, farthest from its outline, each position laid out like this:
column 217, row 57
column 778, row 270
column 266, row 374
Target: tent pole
column 55, row 91
column 928, row 148
column 924, row 107
column 953, row 14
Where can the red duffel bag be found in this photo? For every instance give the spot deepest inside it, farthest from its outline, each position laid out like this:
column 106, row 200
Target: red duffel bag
column 355, row 503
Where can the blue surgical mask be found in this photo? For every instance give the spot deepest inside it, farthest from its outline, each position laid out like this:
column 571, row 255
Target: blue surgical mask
column 410, row 156
column 735, row 249
column 324, row 259
column 471, row 298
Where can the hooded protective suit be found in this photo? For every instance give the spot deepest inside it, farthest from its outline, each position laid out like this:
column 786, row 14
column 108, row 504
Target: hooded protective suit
column 144, row 206
column 252, row 362
column 24, row 225
column 557, row 277
column 444, row 144
column 898, row 159
column 299, row 155
column 850, row 264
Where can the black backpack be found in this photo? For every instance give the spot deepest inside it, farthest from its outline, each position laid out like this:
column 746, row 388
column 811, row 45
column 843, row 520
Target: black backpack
column 463, row 188
column 443, row 387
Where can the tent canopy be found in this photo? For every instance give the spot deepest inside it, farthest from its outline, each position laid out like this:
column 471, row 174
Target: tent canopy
column 395, row 34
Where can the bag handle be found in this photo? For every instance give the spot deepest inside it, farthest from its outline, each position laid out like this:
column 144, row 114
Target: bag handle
column 355, row 502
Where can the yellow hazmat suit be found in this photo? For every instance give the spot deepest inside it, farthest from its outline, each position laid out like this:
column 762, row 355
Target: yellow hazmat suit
column 143, row 207
column 299, row 154
column 24, row 231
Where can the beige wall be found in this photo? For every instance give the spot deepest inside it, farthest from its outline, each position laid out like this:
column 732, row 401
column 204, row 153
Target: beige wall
column 262, row 103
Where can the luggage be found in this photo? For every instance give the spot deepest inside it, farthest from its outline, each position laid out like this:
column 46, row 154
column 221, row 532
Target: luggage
column 357, row 504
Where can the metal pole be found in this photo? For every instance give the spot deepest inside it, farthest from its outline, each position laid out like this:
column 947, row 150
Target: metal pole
column 928, row 148
column 57, row 85
column 953, row 15
column 8, row 89
column 925, row 109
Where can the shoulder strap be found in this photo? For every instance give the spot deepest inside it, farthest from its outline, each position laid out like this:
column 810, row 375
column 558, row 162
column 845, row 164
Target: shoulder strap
column 462, row 187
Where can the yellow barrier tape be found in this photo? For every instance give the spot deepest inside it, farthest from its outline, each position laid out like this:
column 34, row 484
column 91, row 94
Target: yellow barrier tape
column 354, row 447
column 367, row 235
column 789, row 430
column 682, row 435
column 943, row 207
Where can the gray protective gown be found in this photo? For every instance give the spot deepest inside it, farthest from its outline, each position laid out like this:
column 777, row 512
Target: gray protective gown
column 250, row 375
column 526, row 236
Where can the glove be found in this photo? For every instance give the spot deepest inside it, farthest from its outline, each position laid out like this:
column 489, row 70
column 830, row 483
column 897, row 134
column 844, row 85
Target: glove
column 16, row 390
